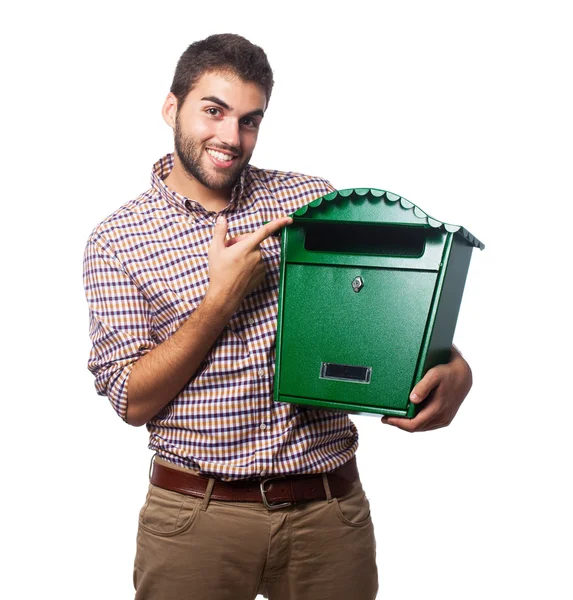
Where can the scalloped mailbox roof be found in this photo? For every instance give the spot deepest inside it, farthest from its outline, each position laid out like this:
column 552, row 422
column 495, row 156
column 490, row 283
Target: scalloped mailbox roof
column 366, row 205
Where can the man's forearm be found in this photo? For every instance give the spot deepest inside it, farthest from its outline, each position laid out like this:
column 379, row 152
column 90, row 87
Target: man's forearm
column 236, row 268
column 158, row 376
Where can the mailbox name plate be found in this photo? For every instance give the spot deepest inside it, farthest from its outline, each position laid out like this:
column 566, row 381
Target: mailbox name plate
column 351, row 373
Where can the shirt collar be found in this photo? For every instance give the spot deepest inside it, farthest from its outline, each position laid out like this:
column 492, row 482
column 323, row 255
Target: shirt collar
column 161, row 170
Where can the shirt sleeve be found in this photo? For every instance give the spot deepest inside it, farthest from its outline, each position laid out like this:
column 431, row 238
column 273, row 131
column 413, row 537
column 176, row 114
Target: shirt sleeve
column 120, row 323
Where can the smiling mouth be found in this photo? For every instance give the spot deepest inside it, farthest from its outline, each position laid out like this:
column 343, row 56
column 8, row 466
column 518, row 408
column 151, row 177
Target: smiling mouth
column 220, row 156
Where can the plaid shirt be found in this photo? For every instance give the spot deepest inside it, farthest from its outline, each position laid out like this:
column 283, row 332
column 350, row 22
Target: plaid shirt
column 145, row 272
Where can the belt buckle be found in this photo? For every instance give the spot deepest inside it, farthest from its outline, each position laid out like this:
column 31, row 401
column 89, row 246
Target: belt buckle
column 264, row 495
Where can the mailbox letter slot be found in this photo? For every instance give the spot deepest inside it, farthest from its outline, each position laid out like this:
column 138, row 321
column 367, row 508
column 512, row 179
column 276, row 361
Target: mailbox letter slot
column 360, row 239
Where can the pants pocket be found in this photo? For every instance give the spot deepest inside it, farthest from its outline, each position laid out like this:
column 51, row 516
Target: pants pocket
column 354, row 508
column 167, row 513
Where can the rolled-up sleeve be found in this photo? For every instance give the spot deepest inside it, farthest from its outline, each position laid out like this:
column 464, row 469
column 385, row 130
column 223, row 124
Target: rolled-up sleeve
column 120, row 323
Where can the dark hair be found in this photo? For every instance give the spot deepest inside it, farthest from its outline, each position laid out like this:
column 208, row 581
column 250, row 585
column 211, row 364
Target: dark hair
column 222, row 52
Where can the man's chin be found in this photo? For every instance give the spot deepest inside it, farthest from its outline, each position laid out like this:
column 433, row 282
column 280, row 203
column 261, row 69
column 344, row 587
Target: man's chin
column 223, row 181
column 217, row 184
column 212, row 182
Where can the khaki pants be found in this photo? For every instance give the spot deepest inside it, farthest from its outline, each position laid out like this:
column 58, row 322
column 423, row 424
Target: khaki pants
column 196, row 549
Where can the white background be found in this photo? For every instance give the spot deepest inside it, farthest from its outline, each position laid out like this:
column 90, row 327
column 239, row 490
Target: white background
column 462, row 107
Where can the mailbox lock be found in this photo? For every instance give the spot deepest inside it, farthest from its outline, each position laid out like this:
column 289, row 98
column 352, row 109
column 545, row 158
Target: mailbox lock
column 357, row 283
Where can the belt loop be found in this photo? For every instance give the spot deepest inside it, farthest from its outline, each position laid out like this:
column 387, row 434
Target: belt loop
column 151, row 464
column 326, row 487
column 208, row 493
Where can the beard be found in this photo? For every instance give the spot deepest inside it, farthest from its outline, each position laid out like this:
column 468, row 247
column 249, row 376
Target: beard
column 191, row 154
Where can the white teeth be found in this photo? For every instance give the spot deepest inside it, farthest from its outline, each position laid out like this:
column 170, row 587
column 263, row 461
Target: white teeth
column 219, row 155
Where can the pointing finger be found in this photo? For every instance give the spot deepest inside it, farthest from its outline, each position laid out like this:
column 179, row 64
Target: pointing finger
column 262, row 233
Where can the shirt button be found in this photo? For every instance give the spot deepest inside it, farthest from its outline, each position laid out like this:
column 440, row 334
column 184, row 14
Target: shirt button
column 263, row 473
column 261, row 372
column 263, row 426
column 251, row 321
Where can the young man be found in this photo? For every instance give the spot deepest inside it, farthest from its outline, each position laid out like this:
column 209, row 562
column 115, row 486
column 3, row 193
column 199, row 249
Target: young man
column 246, row 495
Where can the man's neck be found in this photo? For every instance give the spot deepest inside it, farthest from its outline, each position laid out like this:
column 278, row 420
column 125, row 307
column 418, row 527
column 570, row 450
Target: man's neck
column 184, row 184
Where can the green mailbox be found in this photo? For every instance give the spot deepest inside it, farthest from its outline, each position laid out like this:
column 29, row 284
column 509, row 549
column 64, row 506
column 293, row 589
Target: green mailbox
column 369, row 296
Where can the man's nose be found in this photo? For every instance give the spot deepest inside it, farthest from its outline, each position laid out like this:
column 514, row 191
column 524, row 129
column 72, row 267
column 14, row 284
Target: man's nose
column 229, row 132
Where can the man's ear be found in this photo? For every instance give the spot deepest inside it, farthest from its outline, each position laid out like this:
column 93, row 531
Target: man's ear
column 169, row 110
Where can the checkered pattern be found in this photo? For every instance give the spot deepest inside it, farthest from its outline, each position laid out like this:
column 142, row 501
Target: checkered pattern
column 145, row 271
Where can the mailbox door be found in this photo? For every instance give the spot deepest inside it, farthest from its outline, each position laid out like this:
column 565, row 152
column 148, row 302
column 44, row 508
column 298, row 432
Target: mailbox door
column 353, row 344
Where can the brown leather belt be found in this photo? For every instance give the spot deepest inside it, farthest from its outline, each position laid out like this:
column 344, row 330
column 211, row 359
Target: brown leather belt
column 273, row 492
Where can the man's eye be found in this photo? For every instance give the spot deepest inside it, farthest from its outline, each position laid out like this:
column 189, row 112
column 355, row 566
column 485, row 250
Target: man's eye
column 249, row 122
column 213, row 112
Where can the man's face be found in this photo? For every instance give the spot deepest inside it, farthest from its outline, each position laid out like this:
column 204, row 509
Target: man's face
column 216, row 128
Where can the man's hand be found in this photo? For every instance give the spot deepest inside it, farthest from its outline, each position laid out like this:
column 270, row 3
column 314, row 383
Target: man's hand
column 442, row 391
column 236, row 267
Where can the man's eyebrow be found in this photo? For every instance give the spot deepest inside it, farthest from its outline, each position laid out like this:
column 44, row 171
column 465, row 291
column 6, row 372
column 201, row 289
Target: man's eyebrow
column 259, row 112
column 218, row 101
column 256, row 113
